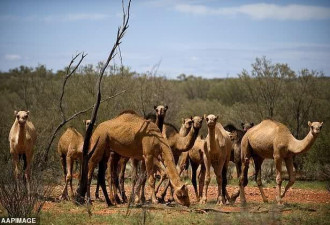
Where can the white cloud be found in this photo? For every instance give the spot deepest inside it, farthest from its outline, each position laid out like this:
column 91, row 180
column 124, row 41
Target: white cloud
column 261, row 11
column 12, row 57
column 76, row 17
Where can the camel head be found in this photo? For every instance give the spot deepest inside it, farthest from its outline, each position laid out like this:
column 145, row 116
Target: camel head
column 211, row 120
column 234, row 136
column 197, row 121
column 181, row 195
column 246, row 126
column 87, row 122
column 22, row 117
column 315, row 127
column 161, row 110
column 187, row 123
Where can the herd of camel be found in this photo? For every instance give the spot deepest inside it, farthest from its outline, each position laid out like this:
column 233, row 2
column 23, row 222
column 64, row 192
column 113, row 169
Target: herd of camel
column 161, row 149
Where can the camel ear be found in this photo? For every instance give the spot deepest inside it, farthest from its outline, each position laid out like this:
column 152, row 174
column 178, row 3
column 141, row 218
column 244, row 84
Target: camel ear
column 242, row 124
column 155, row 107
column 183, row 187
column 202, row 118
column 182, row 120
column 252, row 124
column 217, row 117
column 166, row 107
column 191, row 117
column 205, row 116
column 309, row 123
column 84, row 122
column 27, row 112
column 321, row 124
column 15, row 112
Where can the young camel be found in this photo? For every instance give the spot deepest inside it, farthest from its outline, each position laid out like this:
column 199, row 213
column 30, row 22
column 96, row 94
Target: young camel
column 69, row 148
column 132, row 136
column 236, row 136
column 217, row 154
column 271, row 139
column 22, row 137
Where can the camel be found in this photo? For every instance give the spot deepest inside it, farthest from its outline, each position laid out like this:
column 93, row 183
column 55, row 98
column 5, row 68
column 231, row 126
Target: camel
column 69, row 148
column 132, row 136
column 272, row 139
column 195, row 157
column 236, row 136
column 217, row 154
column 22, row 137
column 179, row 143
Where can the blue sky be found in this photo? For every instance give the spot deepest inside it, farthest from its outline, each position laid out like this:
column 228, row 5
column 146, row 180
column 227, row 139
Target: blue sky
column 209, row 38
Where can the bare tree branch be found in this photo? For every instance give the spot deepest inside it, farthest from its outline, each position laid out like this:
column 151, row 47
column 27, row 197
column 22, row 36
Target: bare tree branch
column 82, row 189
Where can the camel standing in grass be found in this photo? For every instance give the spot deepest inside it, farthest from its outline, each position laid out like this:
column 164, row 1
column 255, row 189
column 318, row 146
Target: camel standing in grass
column 271, row 139
column 132, row 136
column 22, row 137
column 69, row 148
column 217, row 154
column 236, row 136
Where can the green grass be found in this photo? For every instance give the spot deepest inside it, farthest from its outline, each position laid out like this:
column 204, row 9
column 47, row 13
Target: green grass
column 292, row 214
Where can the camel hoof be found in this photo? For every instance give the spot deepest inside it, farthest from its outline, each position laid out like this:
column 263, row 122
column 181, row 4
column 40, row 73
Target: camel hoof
column 161, row 200
column 203, row 201
column 265, row 200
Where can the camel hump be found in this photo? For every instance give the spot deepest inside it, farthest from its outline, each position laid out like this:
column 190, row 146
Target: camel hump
column 128, row 111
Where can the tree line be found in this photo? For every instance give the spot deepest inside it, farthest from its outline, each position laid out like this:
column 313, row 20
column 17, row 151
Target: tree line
column 266, row 90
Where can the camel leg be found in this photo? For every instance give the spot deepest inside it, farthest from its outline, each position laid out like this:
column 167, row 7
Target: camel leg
column 16, row 165
column 70, row 168
column 27, row 170
column 257, row 176
column 183, row 162
column 201, row 181
column 218, row 174
column 110, row 177
column 292, row 175
column 238, row 171
column 63, row 161
column 278, row 164
column 65, row 195
column 149, row 162
column 207, row 164
column 134, row 176
column 141, row 180
column 194, row 167
column 123, row 162
column 101, row 180
column 245, row 159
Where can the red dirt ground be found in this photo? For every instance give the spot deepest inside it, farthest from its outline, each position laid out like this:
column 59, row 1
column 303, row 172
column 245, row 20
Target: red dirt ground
column 252, row 194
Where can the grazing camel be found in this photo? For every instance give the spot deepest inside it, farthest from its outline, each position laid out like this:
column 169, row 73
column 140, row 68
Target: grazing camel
column 217, row 154
column 179, row 143
column 271, row 139
column 236, row 136
column 69, row 148
column 22, row 137
column 132, row 136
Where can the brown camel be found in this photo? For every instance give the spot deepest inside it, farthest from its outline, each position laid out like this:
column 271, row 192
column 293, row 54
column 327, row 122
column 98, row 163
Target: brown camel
column 271, row 139
column 22, row 137
column 217, row 154
column 195, row 158
column 132, row 136
column 69, row 148
column 180, row 144
column 236, row 136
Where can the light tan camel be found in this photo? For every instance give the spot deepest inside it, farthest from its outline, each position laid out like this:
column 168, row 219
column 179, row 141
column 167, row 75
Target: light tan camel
column 69, row 148
column 217, row 154
column 271, row 139
column 195, row 158
column 132, row 136
column 180, row 144
column 22, row 137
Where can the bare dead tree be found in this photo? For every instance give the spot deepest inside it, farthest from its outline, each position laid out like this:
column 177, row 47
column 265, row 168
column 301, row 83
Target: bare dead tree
column 69, row 73
column 82, row 188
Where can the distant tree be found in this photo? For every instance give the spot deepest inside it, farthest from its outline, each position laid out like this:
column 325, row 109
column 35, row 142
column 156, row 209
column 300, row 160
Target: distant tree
column 265, row 84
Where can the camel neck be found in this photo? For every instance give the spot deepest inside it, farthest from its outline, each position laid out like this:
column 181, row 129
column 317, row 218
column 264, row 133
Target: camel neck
column 160, row 122
column 21, row 133
column 211, row 138
column 301, row 146
column 170, row 167
column 186, row 143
